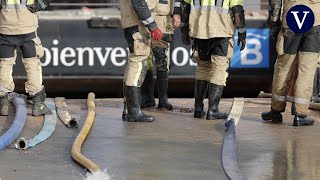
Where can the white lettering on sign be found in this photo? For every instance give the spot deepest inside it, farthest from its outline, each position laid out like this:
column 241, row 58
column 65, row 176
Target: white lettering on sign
column 185, row 56
column 102, row 58
column 118, row 53
column 256, row 51
column 68, row 53
column 99, row 56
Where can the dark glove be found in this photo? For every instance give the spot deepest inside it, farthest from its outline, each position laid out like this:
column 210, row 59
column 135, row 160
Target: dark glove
column 272, row 24
column 39, row 6
column 242, row 39
column 185, row 35
column 34, row 8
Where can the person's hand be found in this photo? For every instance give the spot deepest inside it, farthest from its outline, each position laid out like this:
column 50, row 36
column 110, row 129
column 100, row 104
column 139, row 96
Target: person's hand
column 242, row 39
column 156, row 34
column 32, row 8
column 272, row 24
column 176, row 20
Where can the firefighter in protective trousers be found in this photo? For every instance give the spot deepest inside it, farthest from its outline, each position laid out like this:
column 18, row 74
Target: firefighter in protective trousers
column 211, row 24
column 18, row 26
column 138, row 23
column 303, row 46
column 167, row 16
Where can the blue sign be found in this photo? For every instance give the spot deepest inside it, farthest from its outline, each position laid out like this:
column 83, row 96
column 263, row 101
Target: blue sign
column 300, row 19
column 256, row 53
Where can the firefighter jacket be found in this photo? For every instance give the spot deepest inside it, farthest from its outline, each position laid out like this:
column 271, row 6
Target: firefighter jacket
column 213, row 18
column 279, row 9
column 165, row 9
column 17, row 19
column 138, row 12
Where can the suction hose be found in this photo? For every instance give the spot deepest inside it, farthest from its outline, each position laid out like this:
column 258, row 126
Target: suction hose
column 19, row 120
column 76, row 147
column 229, row 146
column 46, row 131
column 64, row 114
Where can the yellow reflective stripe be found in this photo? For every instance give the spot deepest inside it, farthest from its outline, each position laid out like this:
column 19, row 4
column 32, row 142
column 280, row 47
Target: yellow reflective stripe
column 13, row 1
column 208, row 2
column 235, row 2
column 226, row 4
column 230, row 3
column 29, row 2
column 189, row 1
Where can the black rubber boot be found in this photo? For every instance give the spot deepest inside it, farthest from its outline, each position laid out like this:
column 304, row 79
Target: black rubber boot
column 125, row 109
column 133, row 106
column 293, row 109
column 162, row 79
column 147, row 90
column 316, row 87
column 302, row 121
column 39, row 108
column 4, row 105
column 201, row 88
column 272, row 115
column 215, row 93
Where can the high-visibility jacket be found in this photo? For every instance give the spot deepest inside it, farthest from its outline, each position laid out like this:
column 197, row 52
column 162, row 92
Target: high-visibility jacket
column 16, row 19
column 211, row 18
column 280, row 8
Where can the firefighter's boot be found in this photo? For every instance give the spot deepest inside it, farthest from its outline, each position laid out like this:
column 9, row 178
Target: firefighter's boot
column 133, row 106
column 215, row 93
column 201, row 88
column 272, row 115
column 162, row 79
column 125, row 109
column 302, row 121
column 39, row 108
column 147, row 90
column 316, row 88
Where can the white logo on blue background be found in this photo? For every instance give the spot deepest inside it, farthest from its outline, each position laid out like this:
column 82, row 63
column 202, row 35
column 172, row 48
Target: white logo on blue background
column 300, row 18
column 256, row 53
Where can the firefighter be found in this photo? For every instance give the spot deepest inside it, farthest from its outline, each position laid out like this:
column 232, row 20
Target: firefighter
column 18, row 29
column 212, row 25
column 167, row 16
column 303, row 46
column 138, row 24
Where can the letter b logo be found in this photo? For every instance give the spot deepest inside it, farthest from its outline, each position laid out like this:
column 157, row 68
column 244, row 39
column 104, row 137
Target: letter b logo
column 300, row 18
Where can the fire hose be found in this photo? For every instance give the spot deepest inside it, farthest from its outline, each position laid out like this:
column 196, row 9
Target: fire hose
column 76, row 147
column 229, row 146
column 19, row 120
column 64, row 114
column 312, row 106
column 46, row 131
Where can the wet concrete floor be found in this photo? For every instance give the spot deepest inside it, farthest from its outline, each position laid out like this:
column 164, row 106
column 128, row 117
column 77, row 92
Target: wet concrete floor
column 174, row 147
